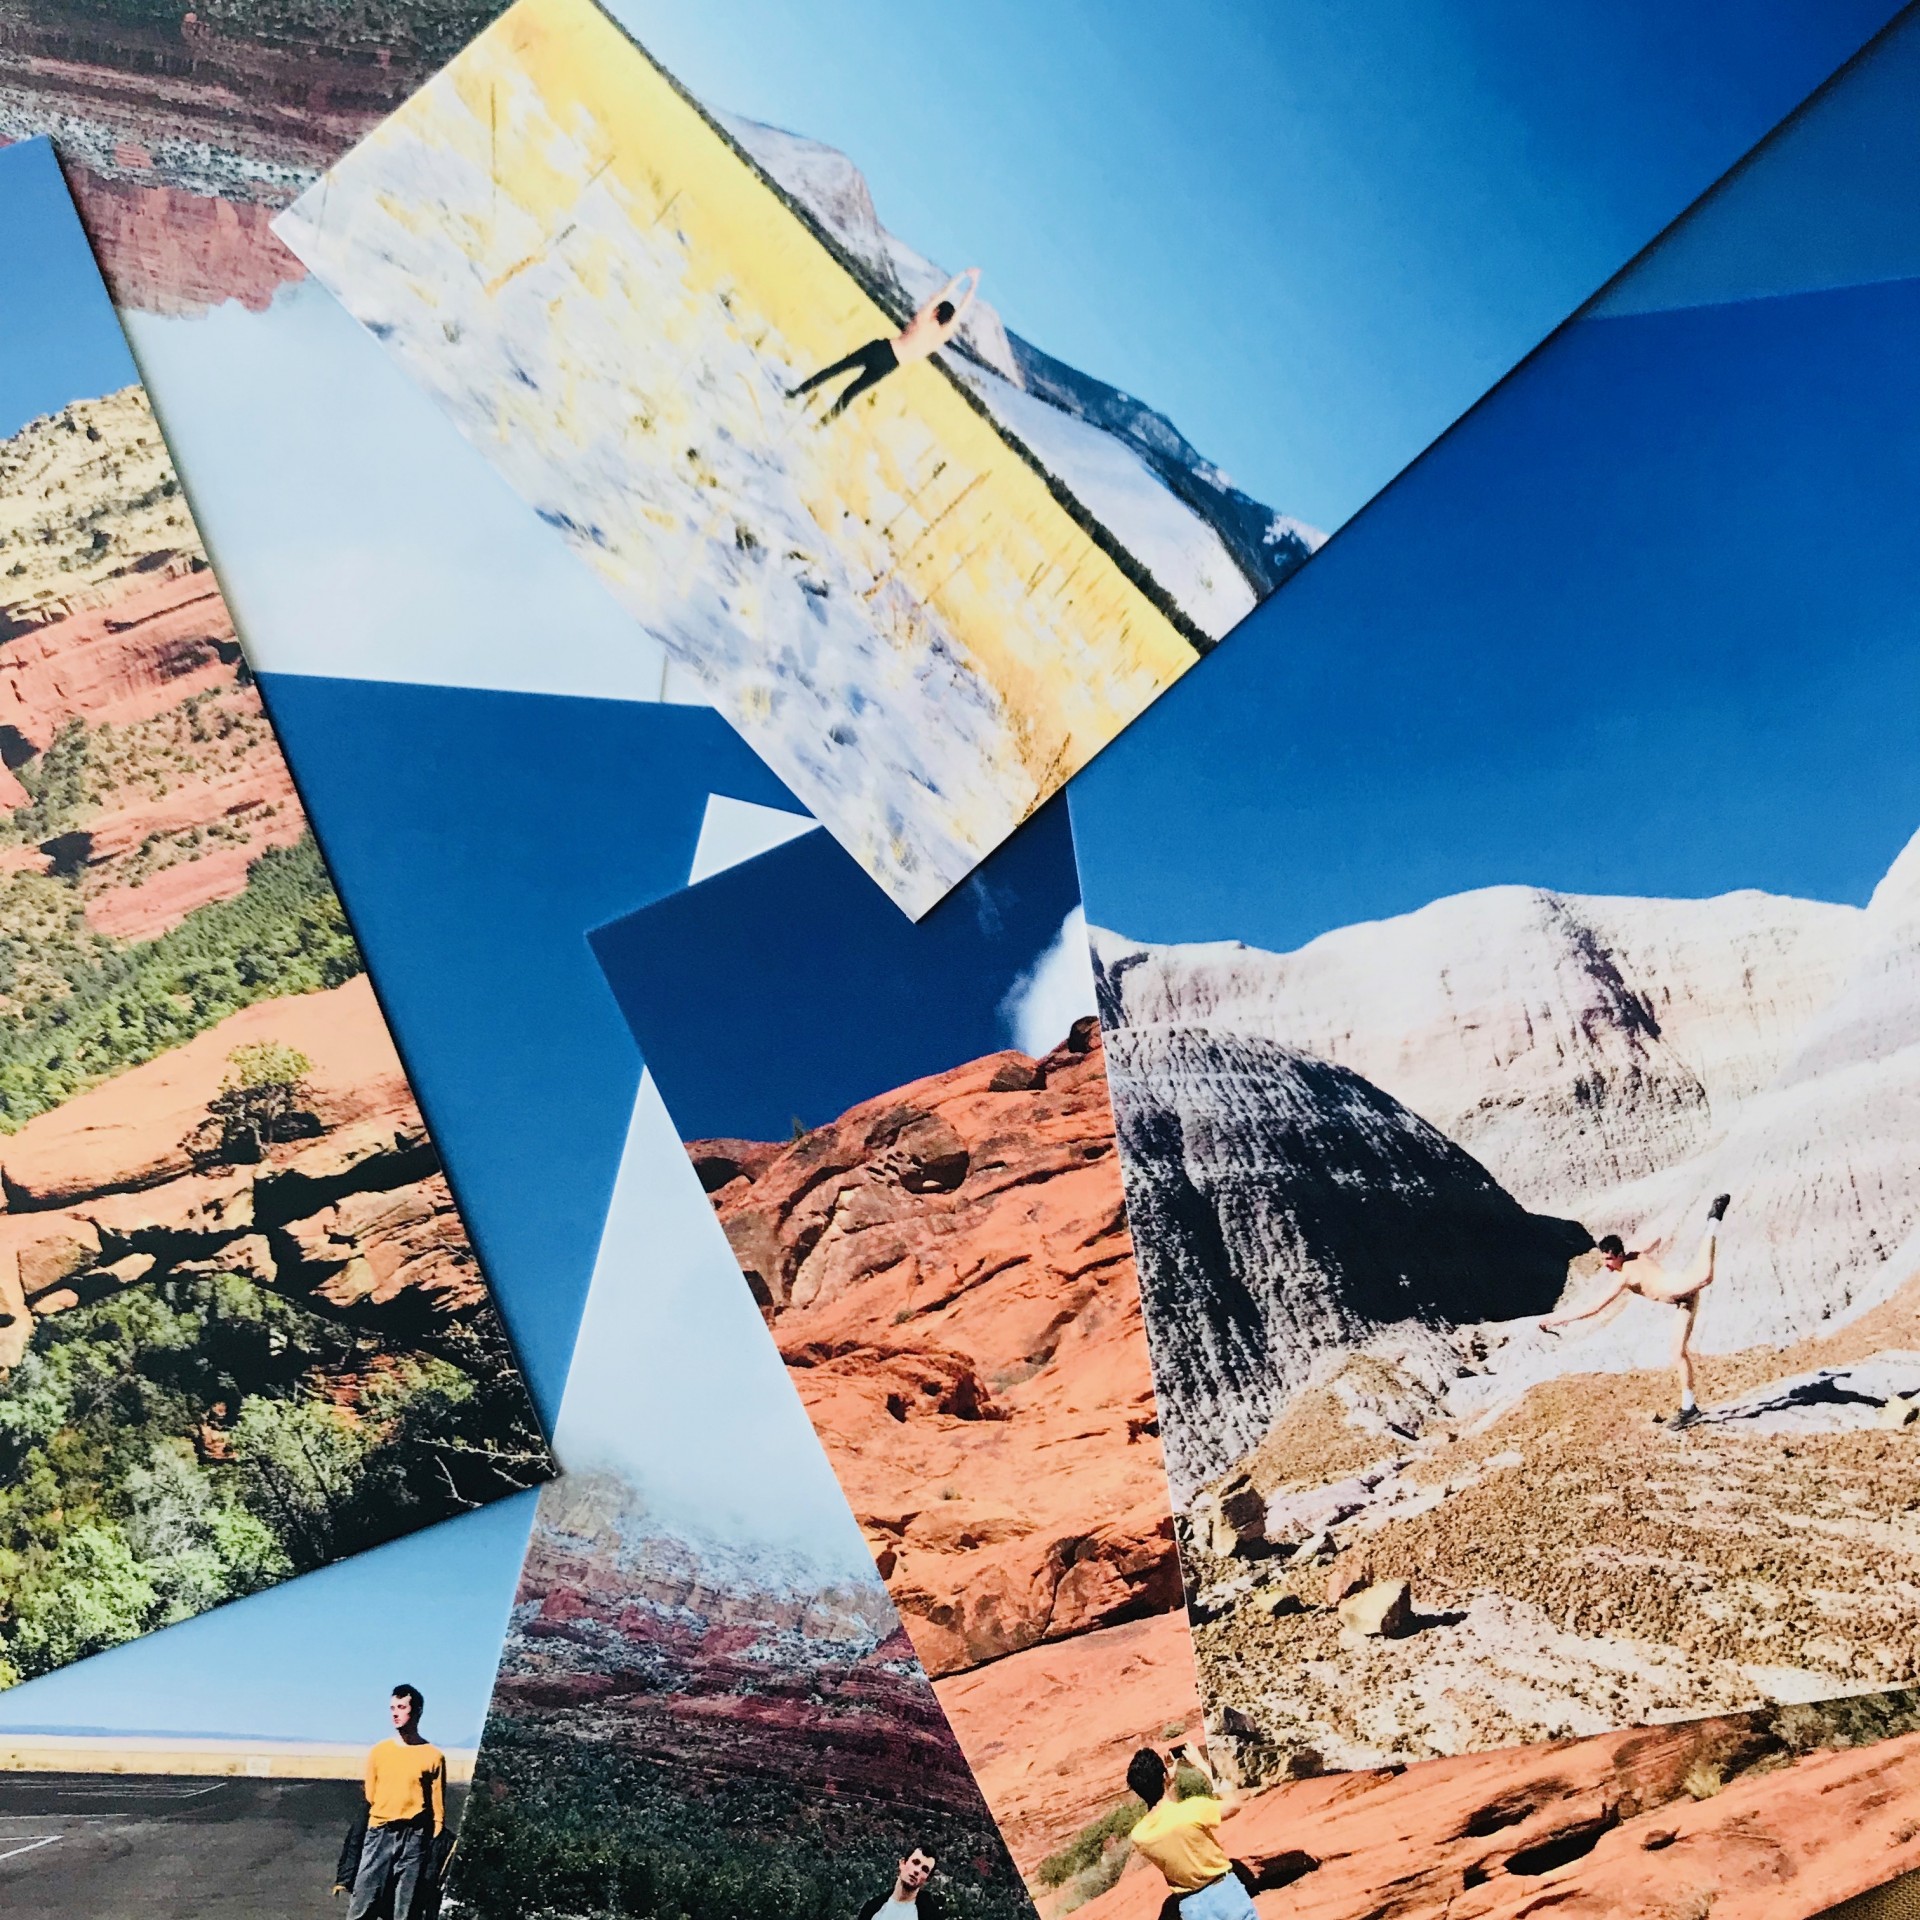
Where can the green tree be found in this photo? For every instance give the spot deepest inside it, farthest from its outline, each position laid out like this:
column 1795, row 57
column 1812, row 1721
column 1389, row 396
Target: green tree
column 265, row 1083
column 297, row 1463
column 88, row 1594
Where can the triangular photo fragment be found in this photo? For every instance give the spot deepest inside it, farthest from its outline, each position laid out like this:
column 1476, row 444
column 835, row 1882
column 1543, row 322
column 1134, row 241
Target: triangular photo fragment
column 243, row 1331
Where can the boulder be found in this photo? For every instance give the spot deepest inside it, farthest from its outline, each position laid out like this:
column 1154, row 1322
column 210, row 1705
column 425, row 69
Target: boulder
column 1382, row 1611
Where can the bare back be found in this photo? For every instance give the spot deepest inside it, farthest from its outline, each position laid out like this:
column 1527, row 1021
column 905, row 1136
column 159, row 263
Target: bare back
column 926, row 333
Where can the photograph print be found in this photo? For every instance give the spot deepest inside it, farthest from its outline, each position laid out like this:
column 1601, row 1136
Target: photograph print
column 243, row 1331
column 1521, row 1149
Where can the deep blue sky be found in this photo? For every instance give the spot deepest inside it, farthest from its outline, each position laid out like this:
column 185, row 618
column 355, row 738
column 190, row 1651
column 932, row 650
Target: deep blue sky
column 790, row 987
column 1648, row 622
column 1831, row 199
column 59, row 340
column 1311, row 232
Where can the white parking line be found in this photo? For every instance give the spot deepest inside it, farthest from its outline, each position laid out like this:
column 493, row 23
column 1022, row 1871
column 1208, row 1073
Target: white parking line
column 135, row 1790
column 27, row 1846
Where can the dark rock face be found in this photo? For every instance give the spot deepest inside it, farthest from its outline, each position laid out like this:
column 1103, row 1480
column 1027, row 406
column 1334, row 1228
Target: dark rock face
column 1284, row 1207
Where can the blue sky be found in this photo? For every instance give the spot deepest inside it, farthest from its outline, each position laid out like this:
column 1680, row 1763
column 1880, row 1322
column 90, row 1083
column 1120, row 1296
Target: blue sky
column 1647, row 623
column 1310, row 232
column 1832, row 199
column 59, row 340
column 791, row 987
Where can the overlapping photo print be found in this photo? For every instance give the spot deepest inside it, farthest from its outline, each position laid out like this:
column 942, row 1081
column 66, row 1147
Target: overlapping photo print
column 242, row 1329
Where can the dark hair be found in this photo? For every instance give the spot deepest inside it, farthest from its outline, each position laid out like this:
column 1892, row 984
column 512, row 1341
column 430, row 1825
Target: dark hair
column 1612, row 1245
column 943, row 312
column 413, row 1696
column 1147, row 1776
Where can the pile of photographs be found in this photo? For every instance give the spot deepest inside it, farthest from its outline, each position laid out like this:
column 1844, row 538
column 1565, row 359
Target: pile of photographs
column 706, row 1210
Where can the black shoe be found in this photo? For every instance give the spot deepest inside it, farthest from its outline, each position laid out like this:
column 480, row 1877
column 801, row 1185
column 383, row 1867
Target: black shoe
column 1718, row 1211
column 1683, row 1419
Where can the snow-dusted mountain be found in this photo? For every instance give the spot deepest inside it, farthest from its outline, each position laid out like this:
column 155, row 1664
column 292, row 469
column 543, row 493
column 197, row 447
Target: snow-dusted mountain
column 1609, row 1061
column 1213, row 548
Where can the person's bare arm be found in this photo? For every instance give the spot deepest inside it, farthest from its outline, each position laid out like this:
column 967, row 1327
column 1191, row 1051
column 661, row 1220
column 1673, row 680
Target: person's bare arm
column 971, row 280
column 1555, row 1320
column 1184, row 1755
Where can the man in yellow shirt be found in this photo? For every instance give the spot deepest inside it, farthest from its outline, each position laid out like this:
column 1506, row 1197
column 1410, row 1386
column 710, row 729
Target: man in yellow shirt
column 1182, row 1839
column 406, row 1808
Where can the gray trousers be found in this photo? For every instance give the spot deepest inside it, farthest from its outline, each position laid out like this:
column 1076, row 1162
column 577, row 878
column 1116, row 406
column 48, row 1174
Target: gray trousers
column 392, row 1857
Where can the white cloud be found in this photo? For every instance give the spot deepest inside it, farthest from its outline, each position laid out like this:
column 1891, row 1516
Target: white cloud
column 1053, row 993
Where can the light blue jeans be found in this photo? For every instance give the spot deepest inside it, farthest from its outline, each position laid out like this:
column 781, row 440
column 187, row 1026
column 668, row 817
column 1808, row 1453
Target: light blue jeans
column 1222, row 1899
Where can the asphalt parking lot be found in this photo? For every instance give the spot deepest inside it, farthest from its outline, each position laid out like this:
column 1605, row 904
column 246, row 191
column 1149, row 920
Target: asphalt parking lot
column 91, row 1846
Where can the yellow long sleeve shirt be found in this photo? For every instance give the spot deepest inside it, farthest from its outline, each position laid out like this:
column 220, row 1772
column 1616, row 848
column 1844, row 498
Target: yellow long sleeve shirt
column 404, row 1781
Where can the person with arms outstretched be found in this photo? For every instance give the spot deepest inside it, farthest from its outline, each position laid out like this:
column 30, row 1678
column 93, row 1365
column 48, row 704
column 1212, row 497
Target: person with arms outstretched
column 1182, row 1838
column 925, row 334
column 1640, row 1273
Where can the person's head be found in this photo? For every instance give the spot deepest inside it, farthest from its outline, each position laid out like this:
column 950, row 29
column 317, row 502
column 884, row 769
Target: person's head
column 916, row 1869
column 406, row 1706
column 943, row 312
column 1147, row 1777
column 1613, row 1250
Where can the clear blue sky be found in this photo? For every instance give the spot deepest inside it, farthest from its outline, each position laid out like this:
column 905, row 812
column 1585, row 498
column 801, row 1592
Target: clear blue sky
column 1648, row 623
column 790, row 987
column 59, row 340
column 1831, row 199
column 1313, row 233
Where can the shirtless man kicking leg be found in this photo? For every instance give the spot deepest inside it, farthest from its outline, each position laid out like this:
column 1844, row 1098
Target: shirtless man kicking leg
column 925, row 334
column 1640, row 1273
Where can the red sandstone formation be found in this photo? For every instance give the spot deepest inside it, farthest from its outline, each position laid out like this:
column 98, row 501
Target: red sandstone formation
column 182, row 137
column 116, row 1186
column 189, row 816
column 949, row 1277
column 948, row 1273
column 165, row 251
column 1609, row 1826
column 155, row 642
column 641, row 1640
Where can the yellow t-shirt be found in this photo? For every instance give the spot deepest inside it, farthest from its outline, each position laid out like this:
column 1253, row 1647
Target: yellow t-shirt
column 405, row 1781
column 1178, row 1837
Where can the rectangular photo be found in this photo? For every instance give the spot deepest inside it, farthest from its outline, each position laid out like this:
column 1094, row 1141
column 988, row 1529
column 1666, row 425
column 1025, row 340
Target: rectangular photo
column 671, row 359
column 927, row 568
column 1518, row 1118
column 243, row 1331
column 906, row 1136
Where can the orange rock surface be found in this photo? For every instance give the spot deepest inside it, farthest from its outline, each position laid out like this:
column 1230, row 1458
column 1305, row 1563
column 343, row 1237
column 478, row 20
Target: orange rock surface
column 108, row 1190
column 1576, row 1829
column 1049, row 1732
column 948, row 1274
